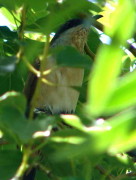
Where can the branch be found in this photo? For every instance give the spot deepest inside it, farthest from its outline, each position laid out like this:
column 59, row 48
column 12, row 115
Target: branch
column 104, row 172
column 89, row 52
column 24, row 165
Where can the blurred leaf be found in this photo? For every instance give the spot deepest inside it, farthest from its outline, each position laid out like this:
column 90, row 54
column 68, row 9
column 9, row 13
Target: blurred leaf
column 9, row 15
column 126, row 65
column 119, row 132
column 93, row 40
column 35, row 5
column 13, row 123
column 71, row 136
column 103, row 78
column 7, row 34
column 7, row 64
column 10, row 47
column 32, row 46
column 15, row 80
column 13, row 99
column 59, row 13
column 15, row 126
column 70, row 57
column 120, row 23
column 73, row 121
column 124, row 94
column 9, row 162
column 41, row 175
column 11, row 5
column 108, row 62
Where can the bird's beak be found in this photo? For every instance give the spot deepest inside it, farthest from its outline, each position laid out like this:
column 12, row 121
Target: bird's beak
column 91, row 20
column 97, row 16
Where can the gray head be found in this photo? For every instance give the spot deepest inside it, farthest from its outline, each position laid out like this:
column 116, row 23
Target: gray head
column 73, row 23
column 68, row 25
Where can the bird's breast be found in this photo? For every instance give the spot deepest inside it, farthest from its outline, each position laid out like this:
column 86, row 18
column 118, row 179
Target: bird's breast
column 60, row 97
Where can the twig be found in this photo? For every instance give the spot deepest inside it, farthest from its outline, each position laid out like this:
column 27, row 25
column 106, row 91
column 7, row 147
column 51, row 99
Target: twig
column 104, row 172
column 24, row 165
column 89, row 52
column 31, row 68
column 122, row 176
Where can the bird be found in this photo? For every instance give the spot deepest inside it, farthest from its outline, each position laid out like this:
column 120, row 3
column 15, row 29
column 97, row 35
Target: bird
column 61, row 98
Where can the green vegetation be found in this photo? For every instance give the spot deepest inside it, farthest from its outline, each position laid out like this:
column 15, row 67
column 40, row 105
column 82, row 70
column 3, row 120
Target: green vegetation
column 91, row 144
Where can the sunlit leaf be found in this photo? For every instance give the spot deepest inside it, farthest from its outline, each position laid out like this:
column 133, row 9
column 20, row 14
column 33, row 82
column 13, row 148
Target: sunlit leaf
column 108, row 62
column 124, row 94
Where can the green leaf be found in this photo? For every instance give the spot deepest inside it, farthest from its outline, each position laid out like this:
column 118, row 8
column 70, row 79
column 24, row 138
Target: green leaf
column 13, row 99
column 41, row 175
column 14, row 81
column 9, row 162
column 93, row 40
column 70, row 57
column 71, row 136
column 59, row 13
column 14, row 125
column 121, row 23
column 73, row 121
column 115, row 135
column 5, row 11
column 6, row 33
column 123, row 131
column 126, row 65
column 35, row 5
column 109, row 58
column 32, row 46
column 7, row 64
column 103, row 78
column 124, row 94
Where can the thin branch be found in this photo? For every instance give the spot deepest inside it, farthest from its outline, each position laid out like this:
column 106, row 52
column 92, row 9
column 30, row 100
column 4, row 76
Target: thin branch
column 89, row 52
column 22, row 25
column 24, row 165
column 31, row 68
column 123, row 176
column 104, row 172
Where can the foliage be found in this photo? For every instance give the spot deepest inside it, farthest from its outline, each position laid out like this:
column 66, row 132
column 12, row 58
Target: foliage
column 92, row 143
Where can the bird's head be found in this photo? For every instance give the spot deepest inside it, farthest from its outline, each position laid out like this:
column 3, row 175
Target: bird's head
column 74, row 32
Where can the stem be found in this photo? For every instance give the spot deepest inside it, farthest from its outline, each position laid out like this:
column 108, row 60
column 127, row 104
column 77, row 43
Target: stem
column 21, row 32
column 89, row 52
column 24, row 165
column 104, row 172
column 22, row 25
column 30, row 67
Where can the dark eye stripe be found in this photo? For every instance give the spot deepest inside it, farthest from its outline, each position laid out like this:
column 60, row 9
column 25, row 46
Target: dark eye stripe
column 69, row 24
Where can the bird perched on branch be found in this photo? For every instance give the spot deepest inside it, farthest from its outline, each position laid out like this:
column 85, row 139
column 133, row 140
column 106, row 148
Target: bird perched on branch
column 61, row 98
